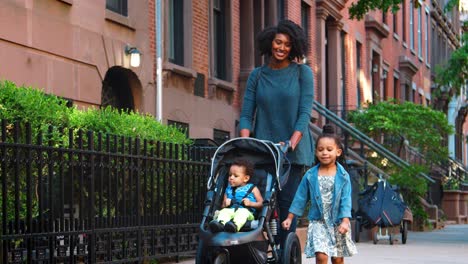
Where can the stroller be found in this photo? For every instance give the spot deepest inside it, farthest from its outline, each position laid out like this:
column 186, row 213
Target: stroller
column 257, row 241
column 382, row 205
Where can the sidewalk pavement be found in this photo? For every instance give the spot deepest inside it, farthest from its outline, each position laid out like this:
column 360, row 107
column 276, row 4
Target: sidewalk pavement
column 448, row 245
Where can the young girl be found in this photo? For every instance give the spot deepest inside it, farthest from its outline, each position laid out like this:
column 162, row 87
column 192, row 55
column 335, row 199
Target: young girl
column 328, row 188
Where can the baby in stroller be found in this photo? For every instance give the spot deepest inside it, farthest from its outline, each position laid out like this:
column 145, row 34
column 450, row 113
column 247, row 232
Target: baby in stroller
column 241, row 199
column 257, row 240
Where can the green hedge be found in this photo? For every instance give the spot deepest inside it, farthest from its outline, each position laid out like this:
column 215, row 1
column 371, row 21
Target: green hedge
column 26, row 104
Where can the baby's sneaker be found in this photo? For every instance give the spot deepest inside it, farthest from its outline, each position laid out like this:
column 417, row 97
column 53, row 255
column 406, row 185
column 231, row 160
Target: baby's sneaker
column 230, row 227
column 215, row 226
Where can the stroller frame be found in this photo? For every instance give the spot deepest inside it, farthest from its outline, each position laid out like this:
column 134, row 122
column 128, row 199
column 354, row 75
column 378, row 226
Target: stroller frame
column 271, row 170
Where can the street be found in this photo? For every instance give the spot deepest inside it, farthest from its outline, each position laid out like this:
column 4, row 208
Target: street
column 448, row 246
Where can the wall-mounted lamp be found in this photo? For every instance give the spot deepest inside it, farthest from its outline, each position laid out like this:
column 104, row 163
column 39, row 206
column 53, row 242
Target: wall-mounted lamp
column 384, row 74
column 135, row 55
column 375, row 68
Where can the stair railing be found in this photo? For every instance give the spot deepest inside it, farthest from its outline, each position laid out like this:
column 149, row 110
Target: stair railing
column 369, row 142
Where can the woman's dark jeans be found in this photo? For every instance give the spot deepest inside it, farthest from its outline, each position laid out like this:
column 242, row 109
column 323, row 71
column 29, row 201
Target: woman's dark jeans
column 286, row 196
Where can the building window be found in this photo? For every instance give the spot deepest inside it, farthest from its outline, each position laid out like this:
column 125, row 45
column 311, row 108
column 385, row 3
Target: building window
column 305, row 16
column 420, row 32
column 184, row 127
column 343, row 69
column 221, row 39
column 359, row 72
column 280, row 5
column 176, row 32
column 385, row 84
column 396, row 84
column 117, row 6
column 411, row 25
column 384, row 17
column 426, row 37
column 407, row 93
column 220, row 136
column 403, row 20
column 395, row 23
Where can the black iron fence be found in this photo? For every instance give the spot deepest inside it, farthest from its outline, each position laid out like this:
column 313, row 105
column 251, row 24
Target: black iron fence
column 78, row 197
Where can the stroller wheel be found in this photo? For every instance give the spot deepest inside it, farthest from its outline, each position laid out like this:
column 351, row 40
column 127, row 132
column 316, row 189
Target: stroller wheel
column 404, row 231
column 292, row 250
column 357, row 230
column 221, row 258
column 374, row 236
column 201, row 254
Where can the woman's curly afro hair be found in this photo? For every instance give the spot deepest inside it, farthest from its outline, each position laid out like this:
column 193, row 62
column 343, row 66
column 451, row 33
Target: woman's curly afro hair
column 295, row 33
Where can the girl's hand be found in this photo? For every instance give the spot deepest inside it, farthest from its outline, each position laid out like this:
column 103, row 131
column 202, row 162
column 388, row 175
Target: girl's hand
column 228, row 202
column 344, row 227
column 286, row 224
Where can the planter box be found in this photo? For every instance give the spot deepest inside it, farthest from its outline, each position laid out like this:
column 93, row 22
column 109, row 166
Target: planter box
column 464, row 207
column 451, row 205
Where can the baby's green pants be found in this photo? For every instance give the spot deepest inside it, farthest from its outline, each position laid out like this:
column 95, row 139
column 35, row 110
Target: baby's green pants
column 239, row 216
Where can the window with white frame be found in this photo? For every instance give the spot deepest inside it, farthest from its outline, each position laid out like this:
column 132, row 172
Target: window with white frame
column 222, row 39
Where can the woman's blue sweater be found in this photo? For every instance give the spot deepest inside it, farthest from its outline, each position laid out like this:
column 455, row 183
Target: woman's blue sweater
column 281, row 101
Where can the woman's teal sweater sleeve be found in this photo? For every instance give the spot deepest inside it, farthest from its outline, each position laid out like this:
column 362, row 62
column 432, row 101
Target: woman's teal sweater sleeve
column 307, row 97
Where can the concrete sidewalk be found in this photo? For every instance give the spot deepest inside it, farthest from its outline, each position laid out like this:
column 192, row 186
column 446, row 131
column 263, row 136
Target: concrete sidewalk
column 448, row 245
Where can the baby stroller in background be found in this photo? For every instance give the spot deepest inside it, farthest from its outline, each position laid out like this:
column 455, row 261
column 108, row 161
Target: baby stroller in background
column 382, row 205
column 255, row 242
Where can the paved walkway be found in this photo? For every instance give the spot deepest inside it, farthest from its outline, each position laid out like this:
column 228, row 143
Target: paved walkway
column 448, row 245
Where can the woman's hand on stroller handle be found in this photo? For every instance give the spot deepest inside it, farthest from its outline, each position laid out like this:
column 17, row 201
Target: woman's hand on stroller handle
column 285, row 147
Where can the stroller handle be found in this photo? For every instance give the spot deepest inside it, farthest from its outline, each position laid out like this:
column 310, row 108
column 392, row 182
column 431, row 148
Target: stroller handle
column 285, row 147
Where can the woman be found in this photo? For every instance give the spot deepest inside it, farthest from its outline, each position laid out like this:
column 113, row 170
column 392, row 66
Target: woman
column 279, row 95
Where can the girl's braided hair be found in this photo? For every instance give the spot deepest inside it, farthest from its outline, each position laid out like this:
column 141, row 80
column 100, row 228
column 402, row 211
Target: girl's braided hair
column 294, row 31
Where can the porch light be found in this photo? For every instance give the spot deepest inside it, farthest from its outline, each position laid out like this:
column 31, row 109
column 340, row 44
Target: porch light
column 135, row 55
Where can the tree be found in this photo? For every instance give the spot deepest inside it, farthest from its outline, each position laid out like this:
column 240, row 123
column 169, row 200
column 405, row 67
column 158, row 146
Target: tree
column 422, row 127
column 359, row 9
column 452, row 76
column 406, row 121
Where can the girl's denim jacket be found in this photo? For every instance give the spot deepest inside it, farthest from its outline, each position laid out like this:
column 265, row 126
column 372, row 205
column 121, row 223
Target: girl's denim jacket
column 309, row 190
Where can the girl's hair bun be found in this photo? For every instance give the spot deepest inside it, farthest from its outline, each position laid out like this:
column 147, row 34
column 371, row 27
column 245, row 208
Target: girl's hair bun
column 328, row 129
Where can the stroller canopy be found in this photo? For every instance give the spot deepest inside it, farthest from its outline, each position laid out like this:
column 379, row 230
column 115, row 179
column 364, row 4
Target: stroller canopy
column 262, row 153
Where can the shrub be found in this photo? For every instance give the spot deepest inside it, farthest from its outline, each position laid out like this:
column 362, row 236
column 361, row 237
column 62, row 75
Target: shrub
column 26, row 104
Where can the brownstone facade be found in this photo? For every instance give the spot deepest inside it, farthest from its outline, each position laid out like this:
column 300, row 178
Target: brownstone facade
column 76, row 49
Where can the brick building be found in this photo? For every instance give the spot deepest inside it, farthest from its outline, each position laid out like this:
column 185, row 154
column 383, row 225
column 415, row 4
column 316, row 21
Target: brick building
column 77, row 49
